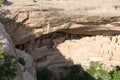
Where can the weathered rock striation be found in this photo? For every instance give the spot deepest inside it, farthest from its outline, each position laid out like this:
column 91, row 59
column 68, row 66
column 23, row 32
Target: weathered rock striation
column 27, row 20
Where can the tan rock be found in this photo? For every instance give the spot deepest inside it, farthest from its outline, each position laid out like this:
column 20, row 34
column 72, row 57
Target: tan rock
column 9, row 48
column 95, row 48
column 28, row 71
column 6, row 41
column 39, row 52
column 27, row 20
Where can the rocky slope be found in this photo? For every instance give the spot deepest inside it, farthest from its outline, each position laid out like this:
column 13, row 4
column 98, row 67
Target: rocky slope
column 9, row 48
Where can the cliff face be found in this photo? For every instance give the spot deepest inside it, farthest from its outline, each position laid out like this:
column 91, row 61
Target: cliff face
column 27, row 20
column 9, row 49
column 63, row 32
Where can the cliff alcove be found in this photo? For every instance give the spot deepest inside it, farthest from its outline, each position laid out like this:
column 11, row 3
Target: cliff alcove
column 58, row 49
column 59, row 33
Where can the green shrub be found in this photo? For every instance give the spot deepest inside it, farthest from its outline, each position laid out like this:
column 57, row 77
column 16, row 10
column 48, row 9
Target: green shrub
column 2, row 1
column 1, row 52
column 95, row 72
column 8, row 66
column 115, row 74
column 44, row 74
column 100, row 74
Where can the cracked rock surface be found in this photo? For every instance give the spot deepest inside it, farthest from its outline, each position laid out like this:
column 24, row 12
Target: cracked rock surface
column 28, row 19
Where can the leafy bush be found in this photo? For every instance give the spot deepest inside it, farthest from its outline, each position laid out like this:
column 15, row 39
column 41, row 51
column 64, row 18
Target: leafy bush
column 100, row 74
column 115, row 74
column 8, row 66
column 44, row 74
column 2, row 1
column 95, row 72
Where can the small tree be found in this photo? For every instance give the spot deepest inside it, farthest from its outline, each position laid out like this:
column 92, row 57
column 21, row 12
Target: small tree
column 8, row 65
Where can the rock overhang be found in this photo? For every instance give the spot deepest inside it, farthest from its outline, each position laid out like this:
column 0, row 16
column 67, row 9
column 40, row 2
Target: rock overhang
column 27, row 20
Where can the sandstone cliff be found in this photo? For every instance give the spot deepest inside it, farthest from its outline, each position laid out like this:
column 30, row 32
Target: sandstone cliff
column 9, row 48
column 27, row 20
column 61, row 32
